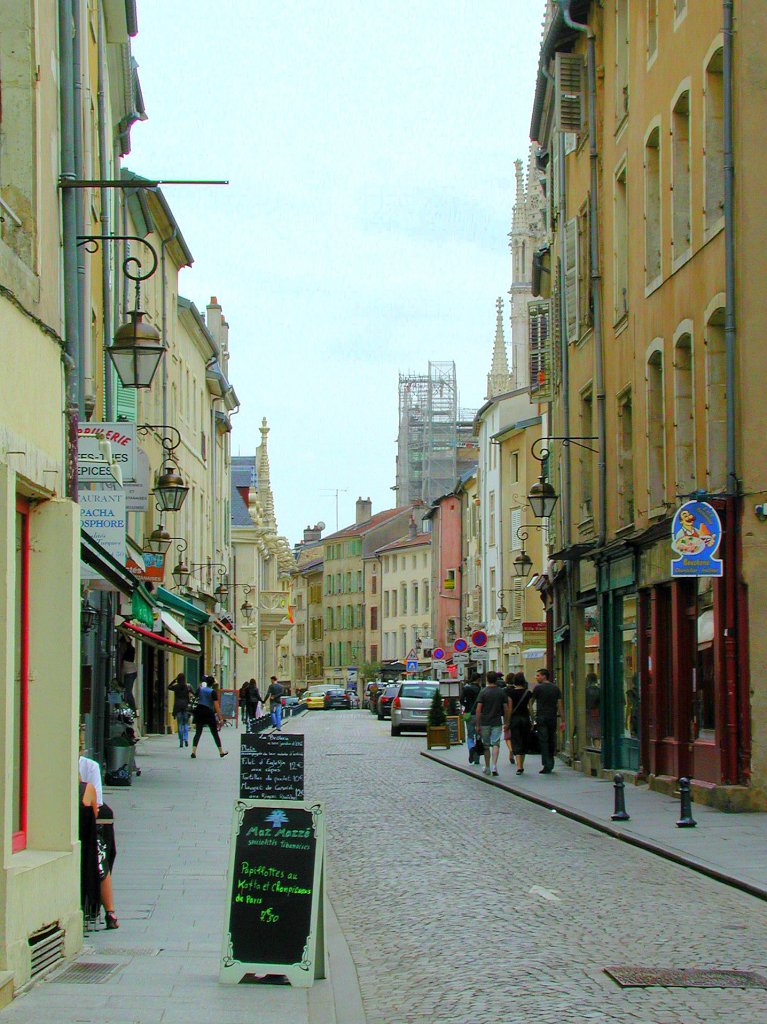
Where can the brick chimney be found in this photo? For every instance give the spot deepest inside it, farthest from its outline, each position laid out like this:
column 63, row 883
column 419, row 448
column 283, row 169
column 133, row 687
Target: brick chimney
column 312, row 533
column 364, row 510
column 412, row 529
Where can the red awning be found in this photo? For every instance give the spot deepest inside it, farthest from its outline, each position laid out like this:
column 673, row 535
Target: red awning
column 146, row 636
column 221, row 627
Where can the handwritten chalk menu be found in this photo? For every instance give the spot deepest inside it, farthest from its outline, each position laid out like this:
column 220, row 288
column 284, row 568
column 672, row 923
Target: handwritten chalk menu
column 275, row 921
column 272, row 766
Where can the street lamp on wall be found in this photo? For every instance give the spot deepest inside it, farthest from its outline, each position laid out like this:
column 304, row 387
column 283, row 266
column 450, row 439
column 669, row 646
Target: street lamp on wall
column 169, row 489
column 542, row 496
column 180, row 571
column 523, row 563
column 137, row 347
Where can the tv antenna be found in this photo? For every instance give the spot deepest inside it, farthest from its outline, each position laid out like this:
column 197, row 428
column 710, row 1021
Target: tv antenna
column 335, row 491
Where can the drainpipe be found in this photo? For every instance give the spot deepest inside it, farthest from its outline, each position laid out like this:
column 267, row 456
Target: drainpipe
column 106, row 220
column 596, row 273
column 77, row 75
column 69, row 240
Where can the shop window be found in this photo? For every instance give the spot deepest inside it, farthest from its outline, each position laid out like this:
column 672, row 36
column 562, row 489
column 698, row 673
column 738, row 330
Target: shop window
column 703, row 688
column 680, row 172
column 20, row 677
column 625, row 460
column 656, row 440
column 621, row 59
column 653, row 263
column 630, row 666
column 684, row 416
column 716, row 404
column 713, row 166
column 593, row 677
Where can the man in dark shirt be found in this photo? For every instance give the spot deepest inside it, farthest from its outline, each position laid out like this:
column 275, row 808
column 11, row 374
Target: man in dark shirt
column 548, row 705
column 492, row 706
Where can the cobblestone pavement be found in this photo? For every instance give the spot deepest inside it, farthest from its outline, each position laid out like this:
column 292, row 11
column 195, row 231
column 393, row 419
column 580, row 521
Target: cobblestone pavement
column 430, row 874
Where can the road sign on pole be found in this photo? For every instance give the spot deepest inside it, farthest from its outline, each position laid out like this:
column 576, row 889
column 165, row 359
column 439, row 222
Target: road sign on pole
column 412, row 665
column 460, row 645
column 479, row 638
column 438, row 654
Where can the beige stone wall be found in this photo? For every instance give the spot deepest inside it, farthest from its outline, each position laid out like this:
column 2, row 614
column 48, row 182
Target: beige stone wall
column 398, row 571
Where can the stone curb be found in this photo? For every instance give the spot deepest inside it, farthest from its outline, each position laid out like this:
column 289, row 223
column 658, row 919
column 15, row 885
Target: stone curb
column 610, row 830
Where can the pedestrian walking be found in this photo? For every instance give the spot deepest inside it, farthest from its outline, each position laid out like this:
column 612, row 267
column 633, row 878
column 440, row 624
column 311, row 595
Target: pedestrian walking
column 493, row 705
column 130, row 671
column 207, row 712
column 548, row 706
column 253, row 700
column 95, row 860
column 519, row 718
column 469, row 694
column 182, row 695
column 274, row 693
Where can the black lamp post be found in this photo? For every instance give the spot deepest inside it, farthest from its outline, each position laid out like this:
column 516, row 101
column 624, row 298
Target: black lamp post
column 137, row 347
column 169, row 489
column 542, row 497
column 180, row 571
column 88, row 616
column 246, row 607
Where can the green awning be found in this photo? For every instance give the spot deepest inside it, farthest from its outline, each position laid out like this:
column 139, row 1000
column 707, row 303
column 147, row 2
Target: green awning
column 165, row 599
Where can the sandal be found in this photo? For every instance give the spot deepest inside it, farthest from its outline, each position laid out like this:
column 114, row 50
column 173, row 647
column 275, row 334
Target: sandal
column 111, row 920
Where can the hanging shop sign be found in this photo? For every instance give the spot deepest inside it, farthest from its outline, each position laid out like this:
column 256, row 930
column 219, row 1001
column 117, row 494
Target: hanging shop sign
column 533, row 634
column 152, row 570
column 103, row 517
column 122, row 441
column 696, row 533
column 137, row 490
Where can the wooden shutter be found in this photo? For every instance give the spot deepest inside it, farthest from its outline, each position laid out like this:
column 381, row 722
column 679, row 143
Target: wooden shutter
column 571, row 279
column 126, row 404
column 569, row 86
column 540, row 351
column 516, row 522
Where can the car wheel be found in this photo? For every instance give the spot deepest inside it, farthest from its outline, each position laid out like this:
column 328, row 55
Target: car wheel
column 396, row 730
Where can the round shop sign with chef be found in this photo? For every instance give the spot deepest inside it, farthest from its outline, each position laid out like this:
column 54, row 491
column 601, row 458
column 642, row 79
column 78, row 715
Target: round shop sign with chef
column 696, row 533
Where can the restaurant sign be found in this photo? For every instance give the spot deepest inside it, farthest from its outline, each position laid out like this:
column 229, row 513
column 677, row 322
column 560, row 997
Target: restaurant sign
column 696, row 533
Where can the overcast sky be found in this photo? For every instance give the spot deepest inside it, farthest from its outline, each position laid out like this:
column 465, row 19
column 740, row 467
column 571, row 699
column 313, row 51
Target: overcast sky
column 370, row 149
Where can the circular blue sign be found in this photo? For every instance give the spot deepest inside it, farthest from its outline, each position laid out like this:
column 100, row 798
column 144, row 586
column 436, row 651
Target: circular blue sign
column 460, row 645
column 479, row 638
column 438, row 654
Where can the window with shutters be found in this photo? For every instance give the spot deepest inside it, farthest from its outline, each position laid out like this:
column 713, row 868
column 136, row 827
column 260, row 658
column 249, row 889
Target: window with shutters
column 516, row 523
column 540, row 351
column 554, row 182
column 514, row 468
column 680, row 171
column 586, row 458
column 584, row 268
column 415, row 598
column 713, row 163
column 386, row 604
column 680, row 10
column 652, row 31
column 425, row 588
column 374, row 652
column 684, row 413
column 403, row 598
column 656, row 437
column 625, row 460
column 571, row 279
column 517, row 598
column 716, row 402
column 620, row 246
column 374, row 584
column 491, row 520
column 621, row 60
column 653, row 263
column 569, row 92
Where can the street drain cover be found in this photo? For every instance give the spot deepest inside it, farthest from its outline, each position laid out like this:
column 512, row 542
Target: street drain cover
column 85, row 973
column 651, row 977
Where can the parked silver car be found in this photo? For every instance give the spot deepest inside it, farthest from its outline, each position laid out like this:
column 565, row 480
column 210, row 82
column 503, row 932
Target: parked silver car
column 410, row 707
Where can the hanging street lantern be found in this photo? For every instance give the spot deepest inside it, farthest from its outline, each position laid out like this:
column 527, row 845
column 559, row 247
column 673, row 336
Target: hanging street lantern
column 542, row 498
column 136, row 351
column 170, row 489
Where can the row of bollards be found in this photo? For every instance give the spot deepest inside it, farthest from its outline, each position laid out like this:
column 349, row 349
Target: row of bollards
column 620, row 813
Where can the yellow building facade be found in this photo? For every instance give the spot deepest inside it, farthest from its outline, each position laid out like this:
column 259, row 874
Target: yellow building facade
column 654, row 367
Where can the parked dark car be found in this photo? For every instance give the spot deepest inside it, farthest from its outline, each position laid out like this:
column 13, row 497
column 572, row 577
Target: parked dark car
column 385, row 697
column 337, row 699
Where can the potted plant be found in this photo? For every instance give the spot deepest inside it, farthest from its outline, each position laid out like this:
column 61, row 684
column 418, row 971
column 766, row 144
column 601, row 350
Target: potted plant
column 437, row 732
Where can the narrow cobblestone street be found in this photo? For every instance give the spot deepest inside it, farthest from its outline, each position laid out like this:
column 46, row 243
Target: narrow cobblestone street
column 431, row 876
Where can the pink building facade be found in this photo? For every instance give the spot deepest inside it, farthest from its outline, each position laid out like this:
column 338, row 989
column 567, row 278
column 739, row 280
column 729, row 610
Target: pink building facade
column 447, row 614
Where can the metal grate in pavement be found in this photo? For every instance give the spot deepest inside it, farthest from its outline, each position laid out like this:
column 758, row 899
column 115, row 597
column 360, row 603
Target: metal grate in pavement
column 651, row 977
column 131, row 951
column 86, row 973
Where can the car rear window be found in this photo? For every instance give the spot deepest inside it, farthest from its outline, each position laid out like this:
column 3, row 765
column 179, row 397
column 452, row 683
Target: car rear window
column 418, row 690
column 335, row 693
column 390, row 691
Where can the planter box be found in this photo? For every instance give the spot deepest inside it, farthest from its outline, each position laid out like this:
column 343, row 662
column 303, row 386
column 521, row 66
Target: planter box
column 437, row 736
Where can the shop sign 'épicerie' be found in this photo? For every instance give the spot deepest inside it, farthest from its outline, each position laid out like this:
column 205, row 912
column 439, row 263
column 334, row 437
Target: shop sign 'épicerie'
column 696, row 533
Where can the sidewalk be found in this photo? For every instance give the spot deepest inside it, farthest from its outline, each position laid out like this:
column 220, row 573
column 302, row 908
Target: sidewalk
column 731, row 848
column 161, row 965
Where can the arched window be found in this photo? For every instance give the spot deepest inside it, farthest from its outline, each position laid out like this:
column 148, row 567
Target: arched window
column 684, row 415
column 656, row 441
column 680, row 158
column 653, row 263
column 716, row 403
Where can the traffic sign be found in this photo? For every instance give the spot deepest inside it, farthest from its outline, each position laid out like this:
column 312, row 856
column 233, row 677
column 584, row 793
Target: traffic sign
column 438, row 654
column 460, row 645
column 412, row 665
column 411, row 655
column 479, row 638
column 480, row 657
column 461, row 658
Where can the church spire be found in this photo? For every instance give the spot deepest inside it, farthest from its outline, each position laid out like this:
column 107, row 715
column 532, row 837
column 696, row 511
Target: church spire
column 266, row 498
column 499, row 380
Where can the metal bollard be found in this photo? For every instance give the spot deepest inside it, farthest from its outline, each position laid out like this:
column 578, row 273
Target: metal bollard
column 620, row 813
column 686, row 819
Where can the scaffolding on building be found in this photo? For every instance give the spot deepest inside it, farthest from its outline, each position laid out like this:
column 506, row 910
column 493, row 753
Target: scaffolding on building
column 428, row 434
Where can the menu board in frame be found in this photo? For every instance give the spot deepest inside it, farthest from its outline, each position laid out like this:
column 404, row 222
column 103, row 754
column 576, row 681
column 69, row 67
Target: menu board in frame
column 275, row 916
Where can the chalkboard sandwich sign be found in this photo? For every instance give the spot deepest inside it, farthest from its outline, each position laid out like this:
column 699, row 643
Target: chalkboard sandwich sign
column 272, row 766
column 275, row 920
